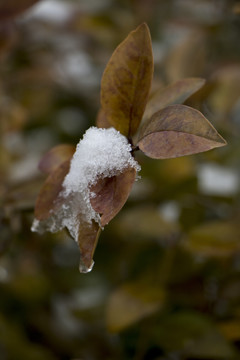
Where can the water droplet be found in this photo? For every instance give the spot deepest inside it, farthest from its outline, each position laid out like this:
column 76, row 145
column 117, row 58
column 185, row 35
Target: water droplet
column 84, row 269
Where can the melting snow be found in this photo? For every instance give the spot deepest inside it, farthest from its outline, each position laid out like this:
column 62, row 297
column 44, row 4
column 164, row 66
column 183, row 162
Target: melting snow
column 101, row 153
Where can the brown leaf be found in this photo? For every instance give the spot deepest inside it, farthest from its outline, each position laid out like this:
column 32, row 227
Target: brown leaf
column 55, row 157
column 111, row 194
column 175, row 93
column 178, row 130
column 87, row 240
column 127, row 80
column 12, row 8
column 46, row 201
column 102, row 121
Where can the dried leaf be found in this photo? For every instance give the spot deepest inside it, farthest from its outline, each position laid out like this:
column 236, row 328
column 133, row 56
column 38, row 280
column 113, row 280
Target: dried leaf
column 87, row 240
column 55, row 157
column 178, row 130
column 219, row 239
column 111, row 194
column 102, row 121
column 175, row 93
column 46, row 201
column 127, row 80
column 12, row 8
column 132, row 302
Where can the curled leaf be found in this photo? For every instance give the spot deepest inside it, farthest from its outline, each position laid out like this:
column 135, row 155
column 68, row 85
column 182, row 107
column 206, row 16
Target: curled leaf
column 110, row 194
column 55, row 157
column 178, row 130
column 88, row 235
column 175, row 93
column 127, row 80
column 47, row 200
column 65, row 198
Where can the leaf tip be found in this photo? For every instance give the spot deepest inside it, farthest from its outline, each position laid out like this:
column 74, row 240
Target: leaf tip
column 222, row 141
column 144, row 28
column 201, row 83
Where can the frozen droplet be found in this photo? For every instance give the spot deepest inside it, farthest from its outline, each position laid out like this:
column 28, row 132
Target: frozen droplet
column 84, row 269
column 35, row 225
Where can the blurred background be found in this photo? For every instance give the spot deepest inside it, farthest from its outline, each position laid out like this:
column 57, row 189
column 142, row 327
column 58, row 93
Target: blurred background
column 166, row 280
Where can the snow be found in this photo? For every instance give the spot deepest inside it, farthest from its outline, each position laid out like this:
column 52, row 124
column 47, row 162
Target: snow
column 101, row 153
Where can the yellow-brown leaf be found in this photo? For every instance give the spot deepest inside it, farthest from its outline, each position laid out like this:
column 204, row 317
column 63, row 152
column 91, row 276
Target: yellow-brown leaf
column 175, row 93
column 132, row 302
column 127, row 80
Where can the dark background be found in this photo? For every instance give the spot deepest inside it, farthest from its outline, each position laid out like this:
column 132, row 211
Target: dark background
column 166, row 280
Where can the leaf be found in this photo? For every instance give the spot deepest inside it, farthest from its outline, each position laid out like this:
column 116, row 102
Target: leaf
column 225, row 82
column 87, row 240
column 182, row 61
column 55, row 157
column 218, row 239
column 132, row 302
column 192, row 334
column 46, row 200
column 175, row 93
column 145, row 222
column 178, row 130
column 102, row 121
column 111, row 194
column 127, row 80
column 22, row 195
column 12, row 8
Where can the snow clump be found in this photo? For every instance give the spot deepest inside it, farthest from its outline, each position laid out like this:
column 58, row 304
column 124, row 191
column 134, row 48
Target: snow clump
column 101, row 153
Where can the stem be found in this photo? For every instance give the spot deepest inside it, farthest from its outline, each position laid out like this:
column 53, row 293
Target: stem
column 134, row 147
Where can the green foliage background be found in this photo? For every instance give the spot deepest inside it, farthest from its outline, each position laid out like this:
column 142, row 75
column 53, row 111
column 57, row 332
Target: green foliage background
column 166, row 280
